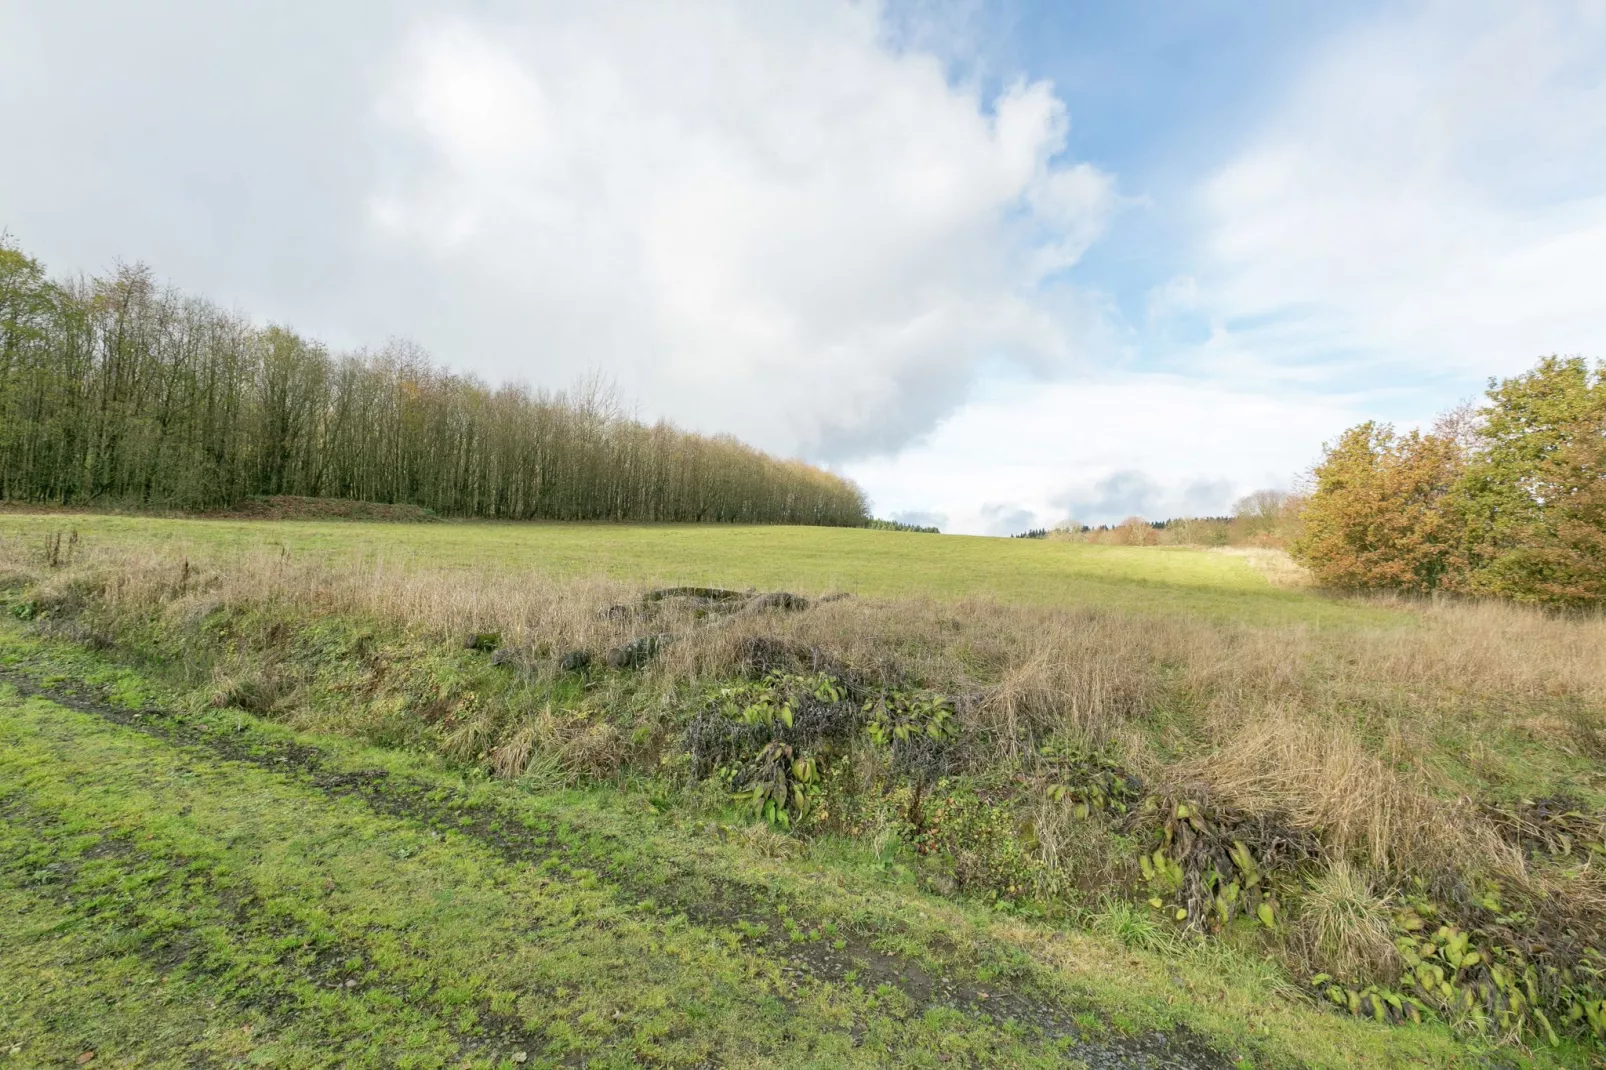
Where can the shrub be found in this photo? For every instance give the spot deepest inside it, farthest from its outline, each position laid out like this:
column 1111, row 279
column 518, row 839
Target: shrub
column 981, row 840
column 1377, row 518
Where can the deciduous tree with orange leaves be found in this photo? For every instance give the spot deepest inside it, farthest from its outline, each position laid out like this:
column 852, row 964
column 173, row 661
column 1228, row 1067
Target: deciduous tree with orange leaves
column 1377, row 517
column 1508, row 499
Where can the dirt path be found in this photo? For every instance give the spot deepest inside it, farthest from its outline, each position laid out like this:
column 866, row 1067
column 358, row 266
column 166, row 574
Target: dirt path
column 804, row 968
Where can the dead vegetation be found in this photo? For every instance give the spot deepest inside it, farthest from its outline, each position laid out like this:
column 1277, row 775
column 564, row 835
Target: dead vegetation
column 1323, row 784
column 1337, row 728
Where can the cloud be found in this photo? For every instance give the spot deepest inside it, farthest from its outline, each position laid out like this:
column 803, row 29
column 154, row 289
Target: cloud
column 1426, row 203
column 921, row 518
column 1130, row 492
column 1007, row 519
column 1103, row 448
column 809, row 225
column 1125, row 493
column 784, row 221
column 228, row 145
column 758, row 217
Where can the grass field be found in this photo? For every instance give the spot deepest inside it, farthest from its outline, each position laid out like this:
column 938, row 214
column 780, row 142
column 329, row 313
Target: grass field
column 809, row 560
column 185, row 887
column 316, row 794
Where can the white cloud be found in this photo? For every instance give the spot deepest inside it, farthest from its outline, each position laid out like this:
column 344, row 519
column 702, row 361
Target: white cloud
column 1030, row 455
column 1425, row 206
column 1427, row 201
column 792, row 222
column 759, row 218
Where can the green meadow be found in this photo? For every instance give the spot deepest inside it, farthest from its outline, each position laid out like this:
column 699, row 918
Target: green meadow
column 342, row 793
column 811, row 560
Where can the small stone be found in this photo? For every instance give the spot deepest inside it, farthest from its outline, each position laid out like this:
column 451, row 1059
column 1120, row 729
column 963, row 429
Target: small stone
column 521, row 1056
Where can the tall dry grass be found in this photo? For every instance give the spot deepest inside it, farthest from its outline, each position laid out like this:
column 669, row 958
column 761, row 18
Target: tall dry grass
column 1342, row 731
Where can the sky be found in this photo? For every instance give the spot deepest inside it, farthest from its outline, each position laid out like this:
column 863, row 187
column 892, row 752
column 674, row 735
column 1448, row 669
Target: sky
column 1005, row 264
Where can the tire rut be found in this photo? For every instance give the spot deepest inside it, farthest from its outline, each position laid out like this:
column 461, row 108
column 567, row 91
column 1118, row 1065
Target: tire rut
column 702, row 899
column 236, row 907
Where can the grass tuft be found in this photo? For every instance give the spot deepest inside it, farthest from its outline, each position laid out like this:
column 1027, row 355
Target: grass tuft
column 1345, row 925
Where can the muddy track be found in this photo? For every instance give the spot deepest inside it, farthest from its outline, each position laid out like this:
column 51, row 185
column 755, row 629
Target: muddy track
column 672, row 889
column 237, row 909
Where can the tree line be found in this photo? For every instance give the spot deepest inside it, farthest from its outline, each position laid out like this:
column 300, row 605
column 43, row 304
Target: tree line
column 1263, row 518
column 116, row 390
column 1507, row 498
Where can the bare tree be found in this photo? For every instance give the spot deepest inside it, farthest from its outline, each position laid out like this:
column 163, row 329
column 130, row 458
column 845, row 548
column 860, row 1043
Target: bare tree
column 115, row 390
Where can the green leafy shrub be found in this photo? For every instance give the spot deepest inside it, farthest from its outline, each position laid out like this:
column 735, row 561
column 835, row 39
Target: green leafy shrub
column 767, row 765
column 1090, row 782
column 778, row 785
column 1208, row 869
column 902, row 716
column 980, row 839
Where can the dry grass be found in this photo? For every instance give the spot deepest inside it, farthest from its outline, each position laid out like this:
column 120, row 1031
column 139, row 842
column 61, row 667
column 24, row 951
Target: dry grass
column 1344, row 924
column 1339, row 730
column 1279, row 569
column 1323, row 777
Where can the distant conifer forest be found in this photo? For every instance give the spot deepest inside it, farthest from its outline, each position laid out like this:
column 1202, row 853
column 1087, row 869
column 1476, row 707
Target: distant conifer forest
column 117, row 390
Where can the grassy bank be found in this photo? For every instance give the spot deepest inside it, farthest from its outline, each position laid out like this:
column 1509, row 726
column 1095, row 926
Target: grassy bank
column 1144, row 819
column 185, row 884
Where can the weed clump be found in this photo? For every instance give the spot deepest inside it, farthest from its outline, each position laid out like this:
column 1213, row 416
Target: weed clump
column 1346, row 926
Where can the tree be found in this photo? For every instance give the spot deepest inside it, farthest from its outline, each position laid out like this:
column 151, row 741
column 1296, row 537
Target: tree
column 1134, row 531
column 1573, row 554
column 26, row 303
column 1259, row 511
column 1266, row 518
column 1376, row 518
column 114, row 389
column 1524, row 502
